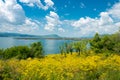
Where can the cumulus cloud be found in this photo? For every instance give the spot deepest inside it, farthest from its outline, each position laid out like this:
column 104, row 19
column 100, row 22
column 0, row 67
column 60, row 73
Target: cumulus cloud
column 107, row 23
column 52, row 21
column 105, row 19
column 61, row 29
column 38, row 3
column 13, row 19
column 9, row 11
column 115, row 11
column 28, row 27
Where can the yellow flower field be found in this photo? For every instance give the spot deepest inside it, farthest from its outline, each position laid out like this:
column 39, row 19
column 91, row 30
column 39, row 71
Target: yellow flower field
column 58, row 67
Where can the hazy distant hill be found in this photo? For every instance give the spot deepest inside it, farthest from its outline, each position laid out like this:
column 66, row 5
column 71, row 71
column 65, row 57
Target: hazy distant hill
column 51, row 36
column 15, row 35
column 27, row 35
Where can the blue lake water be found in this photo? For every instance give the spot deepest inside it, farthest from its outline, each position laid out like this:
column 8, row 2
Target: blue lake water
column 50, row 46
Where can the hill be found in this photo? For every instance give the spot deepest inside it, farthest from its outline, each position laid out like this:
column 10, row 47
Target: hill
column 15, row 35
column 18, row 35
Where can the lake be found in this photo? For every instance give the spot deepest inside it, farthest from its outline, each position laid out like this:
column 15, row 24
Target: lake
column 51, row 46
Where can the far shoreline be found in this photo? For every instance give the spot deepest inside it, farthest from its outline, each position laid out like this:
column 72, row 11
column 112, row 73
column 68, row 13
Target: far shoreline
column 37, row 38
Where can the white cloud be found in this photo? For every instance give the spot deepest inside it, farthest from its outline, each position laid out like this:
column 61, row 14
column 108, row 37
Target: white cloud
column 9, row 11
column 115, row 11
column 61, row 30
column 28, row 27
column 31, row 3
column 82, row 5
column 105, row 19
column 49, row 3
column 52, row 21
column 13, row 19
column 107, row 23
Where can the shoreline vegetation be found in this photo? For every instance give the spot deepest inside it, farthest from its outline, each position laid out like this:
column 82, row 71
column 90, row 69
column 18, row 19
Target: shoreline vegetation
column 97, row 58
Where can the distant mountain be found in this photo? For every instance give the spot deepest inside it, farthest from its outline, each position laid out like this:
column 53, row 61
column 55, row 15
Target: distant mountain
column 15, row 35
column 51, row 36
column 5, row 34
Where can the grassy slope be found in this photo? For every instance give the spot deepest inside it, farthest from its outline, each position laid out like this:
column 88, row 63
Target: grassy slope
column 58, row 67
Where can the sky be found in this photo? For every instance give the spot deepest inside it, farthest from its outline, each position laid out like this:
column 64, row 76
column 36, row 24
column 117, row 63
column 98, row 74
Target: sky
column 66, row 18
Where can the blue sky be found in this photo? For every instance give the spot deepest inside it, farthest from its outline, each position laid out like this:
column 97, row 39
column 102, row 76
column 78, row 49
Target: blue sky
column 68, row 18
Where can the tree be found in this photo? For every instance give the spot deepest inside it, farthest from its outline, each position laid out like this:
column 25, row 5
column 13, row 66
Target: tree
column 77, row 47
column 61, row 49
column 107, row 43
column 20, row 52
column 10, row 52
column 115, row 38
column 96, row 38
column 80, row 46
column 1, row 53
column 71, row 48
column 23, row 52
column 96, row 43
column 36, row 50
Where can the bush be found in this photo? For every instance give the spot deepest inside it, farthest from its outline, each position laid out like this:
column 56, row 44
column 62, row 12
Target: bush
column 57, row 67
column 106, row 43
column 36, row 50
column 23, row 52
column 20, row 52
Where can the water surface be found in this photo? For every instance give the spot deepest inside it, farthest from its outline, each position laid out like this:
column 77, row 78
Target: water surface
column 51, row 46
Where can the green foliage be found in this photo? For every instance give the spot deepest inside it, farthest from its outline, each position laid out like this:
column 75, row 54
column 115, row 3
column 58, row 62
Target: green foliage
column 77, row 47
column 23, row 52
column 1, row 53
column 61, row 49
column 107, row 43
column 66, row 48
column 116, row 40
column 96, row 38
column 80, row 46
column 36, row 50
column 95, row 43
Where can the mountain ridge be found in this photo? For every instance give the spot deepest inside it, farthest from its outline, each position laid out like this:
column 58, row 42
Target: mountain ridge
column 6, row 34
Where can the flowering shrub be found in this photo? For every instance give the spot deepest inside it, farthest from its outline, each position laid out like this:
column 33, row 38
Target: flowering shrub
column 58, row 67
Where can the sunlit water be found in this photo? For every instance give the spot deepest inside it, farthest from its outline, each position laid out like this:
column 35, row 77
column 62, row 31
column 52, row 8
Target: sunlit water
column 50, row 46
